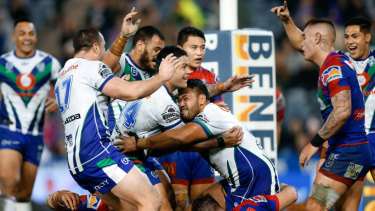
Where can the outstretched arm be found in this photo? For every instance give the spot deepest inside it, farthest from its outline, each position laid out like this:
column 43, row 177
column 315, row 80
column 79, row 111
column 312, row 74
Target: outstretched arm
column 128, row 29
column 232, row 84
column 294, row 34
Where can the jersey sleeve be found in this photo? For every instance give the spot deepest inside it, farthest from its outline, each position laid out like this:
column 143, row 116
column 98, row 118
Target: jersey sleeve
column 122, row 62
column 335, row 79
column 56, row 67
column 167, row 114
column 100, row 76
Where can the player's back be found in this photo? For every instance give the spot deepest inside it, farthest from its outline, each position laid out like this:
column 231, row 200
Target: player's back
column 235, row 164
column 83, row 108
column 337, row 74
column 25, row 83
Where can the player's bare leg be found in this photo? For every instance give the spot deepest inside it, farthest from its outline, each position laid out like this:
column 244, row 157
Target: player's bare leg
column 28, row 174
column 135, row 189
column 332, row 187
column 181, row 193
column 163, row 195
column 287, row 196
column 167, row 188
column 10, row 171
column 351, row 198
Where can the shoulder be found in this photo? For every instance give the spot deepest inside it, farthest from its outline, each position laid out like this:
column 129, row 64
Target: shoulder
column 7, row 55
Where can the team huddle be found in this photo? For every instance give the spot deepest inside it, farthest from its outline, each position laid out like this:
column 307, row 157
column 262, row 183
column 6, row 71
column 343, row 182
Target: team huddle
column 147, row 129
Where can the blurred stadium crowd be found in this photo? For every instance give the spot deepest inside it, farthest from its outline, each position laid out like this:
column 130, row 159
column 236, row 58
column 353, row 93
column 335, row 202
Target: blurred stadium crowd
column 57, row 21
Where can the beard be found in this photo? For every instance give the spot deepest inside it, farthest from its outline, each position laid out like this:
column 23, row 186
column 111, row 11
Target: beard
column 146, row 62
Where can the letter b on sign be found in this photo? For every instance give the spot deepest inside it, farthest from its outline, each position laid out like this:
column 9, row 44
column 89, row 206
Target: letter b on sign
column 260, row 45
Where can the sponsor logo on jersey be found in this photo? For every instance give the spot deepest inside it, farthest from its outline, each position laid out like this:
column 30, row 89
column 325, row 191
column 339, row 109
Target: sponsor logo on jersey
column 359, row 114
column 25, row 81
column 170, row 114
column 202, row 117
column 101, row 185
column 72, row 118
column 170, row 168
column 93, row 201
column 363, row 79
column 367, row 93
column 330, row 74
column 353, row 171
column 63, row 72
column 104, row 71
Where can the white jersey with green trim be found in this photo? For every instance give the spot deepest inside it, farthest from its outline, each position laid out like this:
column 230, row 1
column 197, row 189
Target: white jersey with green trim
column 365, row 69
column 150, row 115
column 215, row 120
column 25, row 84
column 83, row 108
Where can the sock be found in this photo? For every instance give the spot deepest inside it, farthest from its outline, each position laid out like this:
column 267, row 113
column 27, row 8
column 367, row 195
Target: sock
column 23, row 206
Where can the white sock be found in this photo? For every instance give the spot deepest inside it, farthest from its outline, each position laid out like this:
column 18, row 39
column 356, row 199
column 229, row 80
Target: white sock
column 23, row 206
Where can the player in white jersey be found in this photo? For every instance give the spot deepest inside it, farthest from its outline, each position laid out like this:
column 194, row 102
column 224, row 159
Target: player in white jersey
column 82, row 90
column 27, row 75
column 246, row 169
column 357, row 42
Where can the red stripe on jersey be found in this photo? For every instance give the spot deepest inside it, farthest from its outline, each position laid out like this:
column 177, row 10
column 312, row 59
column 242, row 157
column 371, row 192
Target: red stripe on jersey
column 342, row 145
column 336, row 177
column 179, row 181
column 203, row 181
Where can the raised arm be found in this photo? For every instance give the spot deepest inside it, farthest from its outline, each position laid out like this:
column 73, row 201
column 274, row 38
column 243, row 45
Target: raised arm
column 294, row 34
column 134, row 90
column 342, row 106
column 114, row 53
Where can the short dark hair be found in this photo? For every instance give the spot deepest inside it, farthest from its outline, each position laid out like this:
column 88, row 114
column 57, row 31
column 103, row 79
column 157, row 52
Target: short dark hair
column 363, row 23
column 205, row 202
column 146, row 33
column 85, row 39
column 21, row 19
column 321, row 21
column 177, row 52
column 186, row 32
column 198, row 86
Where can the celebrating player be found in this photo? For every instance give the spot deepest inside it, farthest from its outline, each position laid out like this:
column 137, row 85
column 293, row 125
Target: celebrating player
column 342, row 108
column 189, row 172
column 246, row 169
column 82, row 89
column 27, row 75
column 357, row 41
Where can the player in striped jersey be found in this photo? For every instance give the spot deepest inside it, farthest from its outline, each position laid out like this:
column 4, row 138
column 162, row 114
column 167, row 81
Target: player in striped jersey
column 357, row 42
column 190, row 174
column 246, row 169
column 82, row 91
column 27, row 75
column 139, row 64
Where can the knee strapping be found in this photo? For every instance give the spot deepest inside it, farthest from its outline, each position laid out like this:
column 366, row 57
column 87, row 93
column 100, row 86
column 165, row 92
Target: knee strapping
column 324, row 194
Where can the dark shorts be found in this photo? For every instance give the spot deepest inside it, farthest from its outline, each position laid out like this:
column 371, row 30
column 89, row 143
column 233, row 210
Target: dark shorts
column 31, row 147
column 347, row 164
column 102, row 176
column 187, row 168
column 150, row 165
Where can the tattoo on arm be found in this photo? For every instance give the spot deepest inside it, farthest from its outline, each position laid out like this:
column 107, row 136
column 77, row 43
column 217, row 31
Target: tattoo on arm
column 212, row 91
column 342, row 107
